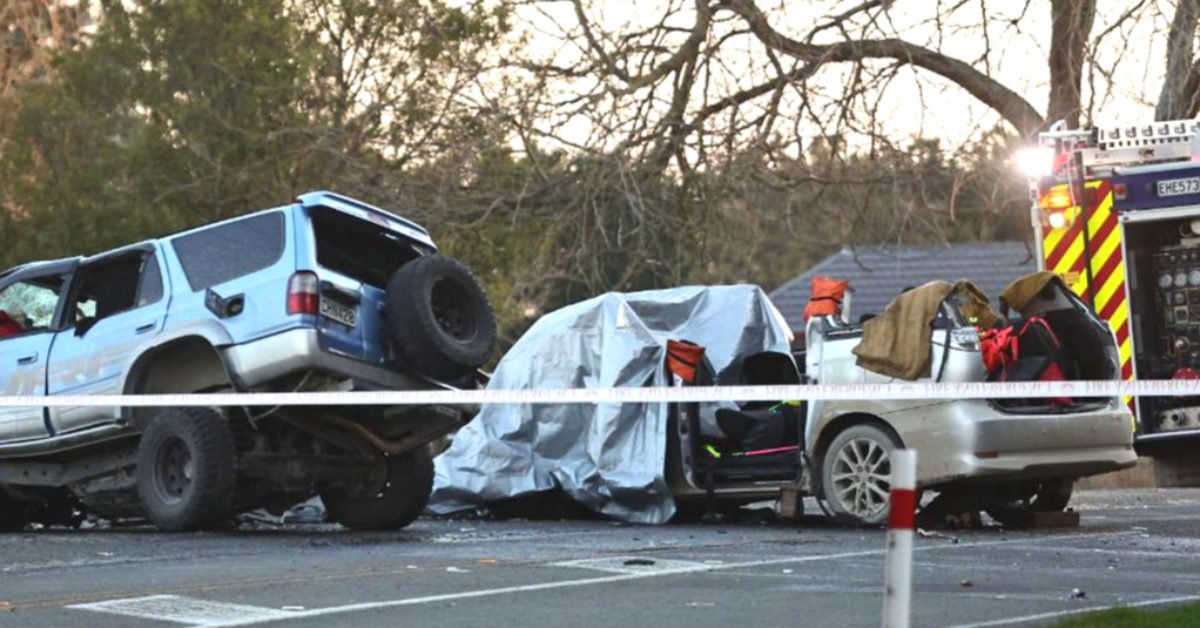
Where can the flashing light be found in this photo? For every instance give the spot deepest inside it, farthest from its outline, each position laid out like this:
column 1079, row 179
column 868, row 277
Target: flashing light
column 1036, row 162
column 1057, row 220
column 1059, row 197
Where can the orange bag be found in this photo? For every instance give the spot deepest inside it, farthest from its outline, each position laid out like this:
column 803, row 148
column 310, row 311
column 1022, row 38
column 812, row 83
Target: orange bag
column 825, row 297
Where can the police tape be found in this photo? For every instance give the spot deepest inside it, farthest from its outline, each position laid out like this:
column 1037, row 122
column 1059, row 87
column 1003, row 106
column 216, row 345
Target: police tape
column 914, row 391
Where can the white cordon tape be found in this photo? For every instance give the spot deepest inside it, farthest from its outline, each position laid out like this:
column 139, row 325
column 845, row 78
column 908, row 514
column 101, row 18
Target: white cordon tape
column 821, row 392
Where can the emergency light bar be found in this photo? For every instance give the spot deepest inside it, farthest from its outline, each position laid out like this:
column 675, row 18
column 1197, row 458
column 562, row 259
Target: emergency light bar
column 1103, row 149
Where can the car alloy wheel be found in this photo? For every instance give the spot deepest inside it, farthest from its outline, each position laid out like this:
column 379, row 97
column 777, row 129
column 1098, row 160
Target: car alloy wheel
column 861, row 478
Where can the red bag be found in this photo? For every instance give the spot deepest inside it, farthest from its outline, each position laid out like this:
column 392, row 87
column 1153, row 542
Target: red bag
column 997, row 347
column 1032, row 354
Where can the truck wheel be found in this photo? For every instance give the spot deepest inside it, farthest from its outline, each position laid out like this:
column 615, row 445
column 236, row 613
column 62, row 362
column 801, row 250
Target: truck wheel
column 439, row 317
column 185, row 474
column 856, row 475
column 1013, row 506
column 13, row 514
column 397, row 504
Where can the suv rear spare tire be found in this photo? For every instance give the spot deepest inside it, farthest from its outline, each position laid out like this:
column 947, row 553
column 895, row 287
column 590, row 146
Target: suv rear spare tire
column 185, row 469
column 439, row 317
column 399, row 502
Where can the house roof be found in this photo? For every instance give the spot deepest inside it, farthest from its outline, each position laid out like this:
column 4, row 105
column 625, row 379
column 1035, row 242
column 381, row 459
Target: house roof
column 878, row 273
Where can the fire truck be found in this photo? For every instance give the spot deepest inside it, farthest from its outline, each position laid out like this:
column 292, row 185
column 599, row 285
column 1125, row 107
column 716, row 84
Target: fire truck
column 1116, row 214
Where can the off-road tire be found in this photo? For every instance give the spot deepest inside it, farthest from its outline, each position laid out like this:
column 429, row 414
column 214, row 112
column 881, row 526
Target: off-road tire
column 439, row 318
column 840, row 491
column 399, row 503
column 185, row 470
column 1044, row 496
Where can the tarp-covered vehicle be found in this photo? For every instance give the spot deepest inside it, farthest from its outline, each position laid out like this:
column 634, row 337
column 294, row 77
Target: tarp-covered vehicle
column 644, row 462
column 610, row 457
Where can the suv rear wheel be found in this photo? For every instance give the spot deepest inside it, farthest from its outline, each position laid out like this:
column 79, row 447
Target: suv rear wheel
column 439, row 317
column 405, row 491
column 185, row 469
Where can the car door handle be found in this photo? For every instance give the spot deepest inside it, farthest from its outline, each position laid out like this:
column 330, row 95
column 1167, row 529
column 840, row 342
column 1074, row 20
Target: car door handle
column 29, row 359
column 145, row 329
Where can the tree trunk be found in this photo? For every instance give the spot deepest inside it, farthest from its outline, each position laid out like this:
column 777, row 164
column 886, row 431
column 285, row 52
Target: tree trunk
column 1071, row 24
column 1178, row 97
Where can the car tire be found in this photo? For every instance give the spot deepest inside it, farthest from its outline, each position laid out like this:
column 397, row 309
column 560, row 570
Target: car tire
column 1014, row 506
column 856, row 474
column 185, row 470
column 399, row 503
column 439, row 317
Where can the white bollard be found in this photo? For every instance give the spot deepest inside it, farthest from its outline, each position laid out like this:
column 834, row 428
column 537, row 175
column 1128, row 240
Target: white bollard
column 901, row 521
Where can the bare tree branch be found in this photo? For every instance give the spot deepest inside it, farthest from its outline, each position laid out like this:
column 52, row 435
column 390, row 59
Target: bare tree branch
column 1009, row 104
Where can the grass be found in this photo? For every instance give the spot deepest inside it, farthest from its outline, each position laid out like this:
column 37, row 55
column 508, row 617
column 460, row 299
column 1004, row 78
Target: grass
column 1186, row 616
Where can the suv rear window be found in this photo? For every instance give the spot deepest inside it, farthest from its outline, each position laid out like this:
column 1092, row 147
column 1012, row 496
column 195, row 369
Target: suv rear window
column 357, row 248
column 231, row 250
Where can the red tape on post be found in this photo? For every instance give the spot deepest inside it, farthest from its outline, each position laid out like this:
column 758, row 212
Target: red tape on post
column 903, row 509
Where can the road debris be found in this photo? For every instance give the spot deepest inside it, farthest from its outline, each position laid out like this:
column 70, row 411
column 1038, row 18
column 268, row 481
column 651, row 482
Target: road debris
column 931, row 534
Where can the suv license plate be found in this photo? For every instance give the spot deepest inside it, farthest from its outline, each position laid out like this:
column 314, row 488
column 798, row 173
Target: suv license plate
column 1179, row 187
column 337, row 312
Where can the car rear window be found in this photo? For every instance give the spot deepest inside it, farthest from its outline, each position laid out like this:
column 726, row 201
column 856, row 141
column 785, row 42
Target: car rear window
column 357, row 248
column 231, row 250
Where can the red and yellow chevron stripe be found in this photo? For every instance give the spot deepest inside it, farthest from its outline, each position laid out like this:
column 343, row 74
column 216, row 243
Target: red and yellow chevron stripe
column 1063, row 250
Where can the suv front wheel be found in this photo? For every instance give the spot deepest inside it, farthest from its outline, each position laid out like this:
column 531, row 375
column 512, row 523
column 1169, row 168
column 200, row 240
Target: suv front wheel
column 185, row 469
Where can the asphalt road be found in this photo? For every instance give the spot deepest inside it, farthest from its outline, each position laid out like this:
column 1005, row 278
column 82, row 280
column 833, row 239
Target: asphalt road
column 1132, row 548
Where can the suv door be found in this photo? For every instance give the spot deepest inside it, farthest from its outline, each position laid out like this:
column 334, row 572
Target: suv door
column 32, row 303
column 115, row 305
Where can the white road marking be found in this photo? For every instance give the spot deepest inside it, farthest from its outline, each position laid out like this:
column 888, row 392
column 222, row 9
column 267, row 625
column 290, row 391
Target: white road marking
column 184, row 610
column 633, row 564
column 1080, row 611
column 240, row 615
column 566, row 584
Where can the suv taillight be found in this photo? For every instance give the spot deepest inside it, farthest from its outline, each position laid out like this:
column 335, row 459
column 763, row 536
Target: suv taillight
column 302, row 295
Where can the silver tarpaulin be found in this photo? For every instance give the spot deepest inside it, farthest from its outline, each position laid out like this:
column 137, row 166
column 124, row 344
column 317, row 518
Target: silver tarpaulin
column 608, row 456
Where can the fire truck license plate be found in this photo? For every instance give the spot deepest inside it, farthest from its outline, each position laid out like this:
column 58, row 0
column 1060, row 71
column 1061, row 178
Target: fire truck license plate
column 1179, row 187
